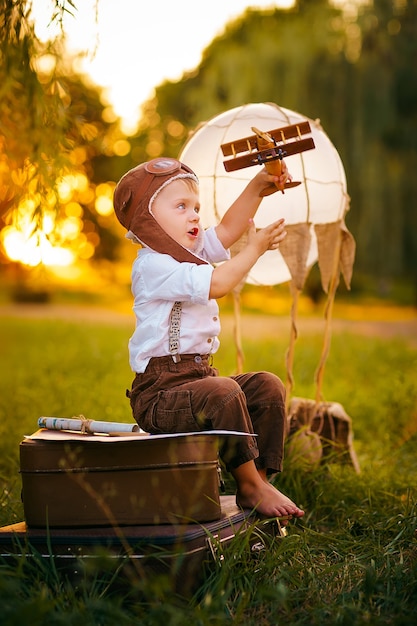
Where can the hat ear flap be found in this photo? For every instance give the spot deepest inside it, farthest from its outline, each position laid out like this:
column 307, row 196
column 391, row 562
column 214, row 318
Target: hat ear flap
column 125, row 199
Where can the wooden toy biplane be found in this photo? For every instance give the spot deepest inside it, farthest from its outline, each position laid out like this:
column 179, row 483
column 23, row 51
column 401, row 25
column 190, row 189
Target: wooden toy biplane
column 268, row 148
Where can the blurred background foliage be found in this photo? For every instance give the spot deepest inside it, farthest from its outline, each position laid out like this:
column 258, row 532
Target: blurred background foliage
column 353, row 66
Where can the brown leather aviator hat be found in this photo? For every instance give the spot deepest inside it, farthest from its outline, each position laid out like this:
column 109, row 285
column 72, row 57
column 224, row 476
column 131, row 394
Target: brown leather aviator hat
column 133, row 198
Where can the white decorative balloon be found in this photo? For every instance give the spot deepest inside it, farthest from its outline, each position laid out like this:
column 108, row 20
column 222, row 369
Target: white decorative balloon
column 320, row 199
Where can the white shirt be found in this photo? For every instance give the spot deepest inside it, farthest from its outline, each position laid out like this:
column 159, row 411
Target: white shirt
column 158, row 281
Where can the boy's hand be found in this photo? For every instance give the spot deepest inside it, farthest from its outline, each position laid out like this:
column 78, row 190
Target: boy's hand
column 228, row 275
column 267, row 238
column 268, row 182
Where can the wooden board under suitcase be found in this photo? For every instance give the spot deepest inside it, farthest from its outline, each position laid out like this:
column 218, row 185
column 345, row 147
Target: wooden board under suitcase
column 73, row 480
column 186, row 552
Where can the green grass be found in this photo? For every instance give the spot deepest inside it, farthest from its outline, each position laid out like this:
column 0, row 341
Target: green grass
column 351, row 561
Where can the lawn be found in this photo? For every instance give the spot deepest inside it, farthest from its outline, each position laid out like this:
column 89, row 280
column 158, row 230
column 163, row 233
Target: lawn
column 351, row 560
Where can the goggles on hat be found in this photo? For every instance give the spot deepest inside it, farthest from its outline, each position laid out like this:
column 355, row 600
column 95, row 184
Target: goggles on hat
column 163, row 166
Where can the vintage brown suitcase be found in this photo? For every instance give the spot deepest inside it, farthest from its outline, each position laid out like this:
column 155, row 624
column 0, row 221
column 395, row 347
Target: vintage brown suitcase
column 79, row 480
column 185, row 552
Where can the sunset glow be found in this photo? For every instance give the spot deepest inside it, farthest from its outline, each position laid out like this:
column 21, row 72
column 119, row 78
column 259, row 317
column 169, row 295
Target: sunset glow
column 32, row 250
column 60, row 237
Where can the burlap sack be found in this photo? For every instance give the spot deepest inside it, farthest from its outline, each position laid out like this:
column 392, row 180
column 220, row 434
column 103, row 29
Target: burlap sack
column 328, row 422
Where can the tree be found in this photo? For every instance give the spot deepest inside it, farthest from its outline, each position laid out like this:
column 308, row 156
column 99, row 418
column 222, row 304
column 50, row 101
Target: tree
column 55, row 186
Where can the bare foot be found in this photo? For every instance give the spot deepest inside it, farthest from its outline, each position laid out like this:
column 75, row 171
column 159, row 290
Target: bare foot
column 253, row 492
column 267, row 500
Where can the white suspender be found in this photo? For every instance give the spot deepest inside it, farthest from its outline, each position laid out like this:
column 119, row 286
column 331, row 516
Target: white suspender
column 174, row 331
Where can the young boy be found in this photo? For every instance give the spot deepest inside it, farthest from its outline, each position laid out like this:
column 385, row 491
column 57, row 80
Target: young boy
column 175, row 287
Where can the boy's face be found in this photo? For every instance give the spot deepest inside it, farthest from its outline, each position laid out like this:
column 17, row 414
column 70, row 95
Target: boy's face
column 176, row 209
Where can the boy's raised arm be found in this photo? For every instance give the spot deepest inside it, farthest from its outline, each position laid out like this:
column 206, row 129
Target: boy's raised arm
column 235, row 221
column 229, row 274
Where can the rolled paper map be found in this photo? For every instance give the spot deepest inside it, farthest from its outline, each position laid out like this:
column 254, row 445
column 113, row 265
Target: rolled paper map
column 85, row 425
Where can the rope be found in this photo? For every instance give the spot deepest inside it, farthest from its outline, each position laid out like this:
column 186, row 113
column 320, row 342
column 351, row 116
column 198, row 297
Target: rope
column 334, row 281
column 289, row 356
column 85, row 424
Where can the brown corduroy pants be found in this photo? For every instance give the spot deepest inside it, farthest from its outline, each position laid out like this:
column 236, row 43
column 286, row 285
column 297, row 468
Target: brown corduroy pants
column 190, row 396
